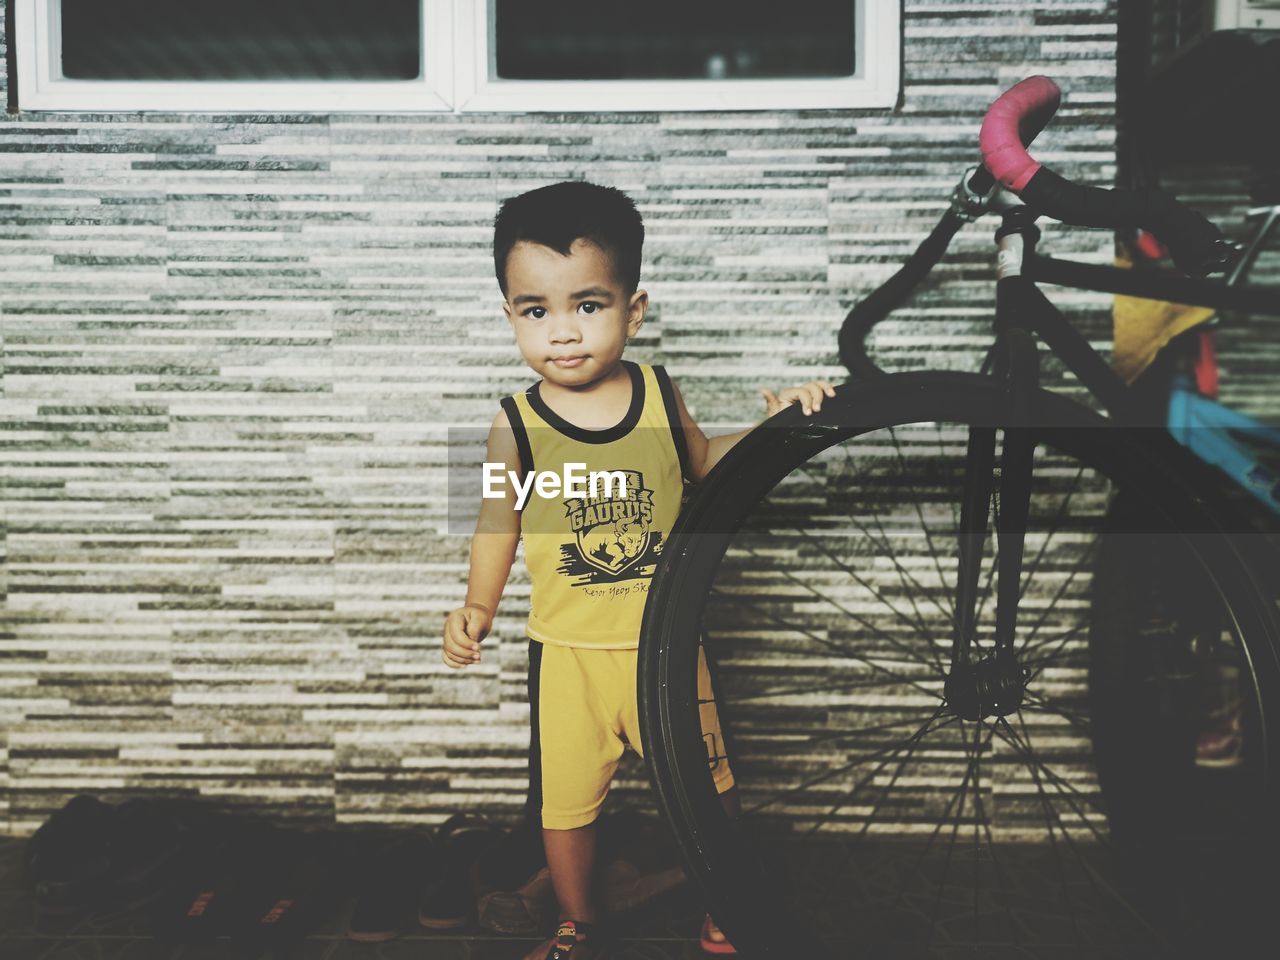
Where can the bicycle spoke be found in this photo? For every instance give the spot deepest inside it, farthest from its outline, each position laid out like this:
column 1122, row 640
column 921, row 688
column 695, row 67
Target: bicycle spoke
column 970, row 774
column 942, row 822
column 1053, row 841
column 884, row 537
column 836, row 771
column 955, row 506
column 1038, row 665
column 1052, row 707
column 911, row 742
column 995, row 860
column 933, row 551
column 888, row 788
column 1094, row 878
column 977, row 804
column 1044, row 547
column 903, row 573
column 808, row 688
column 845, row 651
column 1064, row 789
column 918, row 625
column 830, row 735
column 928, row 636
column 1027, row 645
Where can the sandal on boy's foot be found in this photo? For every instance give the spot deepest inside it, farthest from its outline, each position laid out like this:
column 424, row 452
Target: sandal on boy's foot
column 576, row 940
column 720, row 947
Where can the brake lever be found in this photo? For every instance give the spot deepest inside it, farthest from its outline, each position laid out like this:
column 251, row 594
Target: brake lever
column 1221, row 257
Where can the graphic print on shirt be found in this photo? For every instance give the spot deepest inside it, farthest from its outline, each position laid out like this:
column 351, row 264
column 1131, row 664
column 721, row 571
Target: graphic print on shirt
column 613, row 537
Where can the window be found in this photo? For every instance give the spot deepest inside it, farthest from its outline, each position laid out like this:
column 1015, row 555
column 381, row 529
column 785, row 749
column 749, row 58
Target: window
column 677, row 54
column 462, row 55
column 239, row 40
column 234, row 55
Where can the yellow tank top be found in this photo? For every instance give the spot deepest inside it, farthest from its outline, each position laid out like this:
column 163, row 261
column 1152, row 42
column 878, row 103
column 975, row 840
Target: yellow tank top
column 591, row 558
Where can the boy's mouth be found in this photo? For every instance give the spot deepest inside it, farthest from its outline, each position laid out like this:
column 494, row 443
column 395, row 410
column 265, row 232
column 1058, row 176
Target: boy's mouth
column 568, row 361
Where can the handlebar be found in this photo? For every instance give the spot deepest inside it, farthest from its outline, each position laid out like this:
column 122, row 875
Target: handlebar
column 1012, row 122
column 1010, row 125
column 892, row 294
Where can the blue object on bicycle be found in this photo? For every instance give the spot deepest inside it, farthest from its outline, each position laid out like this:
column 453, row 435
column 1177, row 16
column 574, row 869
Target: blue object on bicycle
column 1234, row 442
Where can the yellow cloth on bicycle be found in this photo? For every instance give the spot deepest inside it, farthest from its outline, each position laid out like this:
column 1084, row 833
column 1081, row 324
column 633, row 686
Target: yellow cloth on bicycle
column 591, row 559
column 1142, row 328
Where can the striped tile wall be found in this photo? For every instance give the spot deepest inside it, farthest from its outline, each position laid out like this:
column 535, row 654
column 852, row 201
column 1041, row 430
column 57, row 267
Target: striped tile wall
column 233, row 345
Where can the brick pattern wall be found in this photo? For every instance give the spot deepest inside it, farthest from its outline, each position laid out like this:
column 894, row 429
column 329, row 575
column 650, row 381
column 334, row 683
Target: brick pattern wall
column 233, row 344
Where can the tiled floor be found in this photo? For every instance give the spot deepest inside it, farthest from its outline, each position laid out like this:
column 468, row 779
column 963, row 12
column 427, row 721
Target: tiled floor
column 878, row 902
column 664, row 929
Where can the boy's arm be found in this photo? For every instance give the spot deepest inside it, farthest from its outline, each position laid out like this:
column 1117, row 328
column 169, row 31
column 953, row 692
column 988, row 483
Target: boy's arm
column 705, row 453
column 493, row 547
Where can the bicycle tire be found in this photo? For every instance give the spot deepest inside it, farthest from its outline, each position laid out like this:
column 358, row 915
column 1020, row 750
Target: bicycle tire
column 745, row 889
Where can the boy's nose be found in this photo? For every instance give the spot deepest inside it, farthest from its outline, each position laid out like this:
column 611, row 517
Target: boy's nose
column 564, row 333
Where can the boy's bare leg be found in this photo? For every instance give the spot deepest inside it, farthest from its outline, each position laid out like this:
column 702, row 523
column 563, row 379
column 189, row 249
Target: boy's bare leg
column 571, row 855
column 733, row 807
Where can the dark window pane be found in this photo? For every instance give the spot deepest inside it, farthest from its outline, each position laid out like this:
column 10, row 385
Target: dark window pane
column 672, row 39
column 240, row 39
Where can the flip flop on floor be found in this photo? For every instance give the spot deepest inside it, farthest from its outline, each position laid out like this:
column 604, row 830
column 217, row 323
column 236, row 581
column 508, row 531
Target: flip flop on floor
column 447, row 901
column 719, row 947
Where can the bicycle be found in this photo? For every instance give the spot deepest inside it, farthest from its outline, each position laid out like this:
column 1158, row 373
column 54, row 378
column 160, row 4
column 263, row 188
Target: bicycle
column 1003, row 669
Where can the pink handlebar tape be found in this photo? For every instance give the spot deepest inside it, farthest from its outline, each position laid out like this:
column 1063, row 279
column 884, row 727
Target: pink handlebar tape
column 1010, row 125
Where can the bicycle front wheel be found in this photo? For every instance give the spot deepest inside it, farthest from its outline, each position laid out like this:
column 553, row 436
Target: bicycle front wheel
column 818, row 564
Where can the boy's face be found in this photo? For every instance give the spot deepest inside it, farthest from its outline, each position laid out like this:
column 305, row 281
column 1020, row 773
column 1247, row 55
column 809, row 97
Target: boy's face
column 570, row 316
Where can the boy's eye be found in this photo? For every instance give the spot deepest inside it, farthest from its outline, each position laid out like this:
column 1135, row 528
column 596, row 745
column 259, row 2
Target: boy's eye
column 587, row 306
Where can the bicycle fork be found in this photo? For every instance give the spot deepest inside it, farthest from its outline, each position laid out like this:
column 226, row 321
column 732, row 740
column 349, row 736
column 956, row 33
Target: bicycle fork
column 990, row 682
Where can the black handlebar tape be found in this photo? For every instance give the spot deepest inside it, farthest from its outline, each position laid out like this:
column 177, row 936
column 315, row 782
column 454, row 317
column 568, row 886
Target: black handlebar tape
column 1196, row 245
column 981, row 181
column 890, row 295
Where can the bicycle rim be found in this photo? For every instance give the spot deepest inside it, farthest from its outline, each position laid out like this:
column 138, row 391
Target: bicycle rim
column 818, row 563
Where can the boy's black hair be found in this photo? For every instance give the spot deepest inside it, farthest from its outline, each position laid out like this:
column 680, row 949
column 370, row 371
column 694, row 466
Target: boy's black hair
column 561, row 213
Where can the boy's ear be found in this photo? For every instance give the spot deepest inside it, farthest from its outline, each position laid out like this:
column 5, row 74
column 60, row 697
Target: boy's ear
column 506, row 312
column 635, row 311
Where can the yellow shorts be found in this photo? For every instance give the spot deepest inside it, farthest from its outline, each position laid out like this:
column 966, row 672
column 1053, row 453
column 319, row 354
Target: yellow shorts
column 582, row 707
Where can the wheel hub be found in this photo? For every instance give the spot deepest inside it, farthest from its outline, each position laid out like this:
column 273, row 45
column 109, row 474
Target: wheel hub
column 991, row 687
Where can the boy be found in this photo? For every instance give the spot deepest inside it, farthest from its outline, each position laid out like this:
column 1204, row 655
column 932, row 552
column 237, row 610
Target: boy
column 567, row 258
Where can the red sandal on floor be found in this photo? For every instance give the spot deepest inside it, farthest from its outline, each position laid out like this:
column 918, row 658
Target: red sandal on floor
column 720, row 947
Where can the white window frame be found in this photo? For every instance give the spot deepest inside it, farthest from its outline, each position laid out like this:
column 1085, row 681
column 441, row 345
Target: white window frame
column 41, row 85
column 877, row 30
column 457, row 77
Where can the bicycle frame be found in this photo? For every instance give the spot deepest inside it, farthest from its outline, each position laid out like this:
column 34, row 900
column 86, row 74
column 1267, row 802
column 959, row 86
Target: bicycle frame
column 993, row 684
column 1025, row 305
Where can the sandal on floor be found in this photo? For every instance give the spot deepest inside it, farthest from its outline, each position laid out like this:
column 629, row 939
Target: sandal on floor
column 447, row 901
column 567, row 939
column 721, row 947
